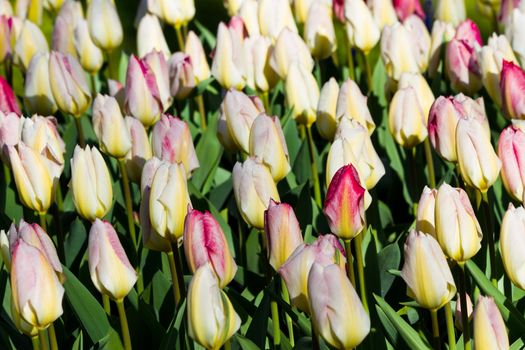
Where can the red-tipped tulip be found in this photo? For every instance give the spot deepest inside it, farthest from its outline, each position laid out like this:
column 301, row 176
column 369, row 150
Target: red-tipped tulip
column 181, row 76
column 8, row 102
column 511, row 151
column 405, row 8
column 512, row 87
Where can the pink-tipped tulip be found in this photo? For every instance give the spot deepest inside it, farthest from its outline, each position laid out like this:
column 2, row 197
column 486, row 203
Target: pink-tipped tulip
column 6, row 36
column 194, row 49
column 10, row 131
column 204, row 242
column 38, row 97
column 511, row 151
column 405, row 8
column 290, row 48
column 512, row 244
column 228, row 66
column 458, row 315
column 158, row 63
column 140, row 150
column 181, row 75
column 512, row 87
column 490, row 331
column 8, row 102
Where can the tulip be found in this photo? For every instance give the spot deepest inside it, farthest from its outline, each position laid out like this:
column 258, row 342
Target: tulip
column 253, row 187
column 8, row 102
column 30, row 9
column 143, row 99
column 104, row 24
column 194, row 49
column 171, row 141
column 240, row 111
column 4, row 250
column 513, row 31
column 301, row 9
column 38, row 97
column 6, row 8
column 267, row 143
column 223, row 134
column 140, row 150
column 150, row 36
column 289, row 49
column 397, row 51
column 205, row 244
column 326, row 250
column 90, row 183
column 68, row 84
column 90, row 56
column 21, row 324
column 491, row 58
column 7, row 35
column 479, row 164
column 337, row 312
column 68, row 18
column 181, row 76
column 344, row 204
column 451, row 11
column 458, row 315
column 512, row 241
column 169, row 201
column 228, row 65
column 109, row 126
column 407, row 119
column 159, row 66
column 274, row 16
column 442, row 33
column 233, row 6
column 10, row 131
column 282, row 231
column 512, row 87
column 506, row 9
column 383, row 12
column 421, row 42
column 175, row 13
column 424, row 257
column 424, row 94
column 212, row 320
column 405, row 8
column 260, row 75
column 361, row 29
column 339, row 10
column 326, row 109
column 109, row 267
column 302, row 94
column 425, row 220
column 490, row 331
column 319, row 32
column 116, row 89
column 54, row 5
column 249, row 14
column 30, row 41
column 36, row 290
column 511, row 151
column 457, row 229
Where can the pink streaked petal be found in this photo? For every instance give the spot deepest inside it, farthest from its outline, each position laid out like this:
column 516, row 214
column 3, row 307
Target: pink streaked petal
column 8, row 102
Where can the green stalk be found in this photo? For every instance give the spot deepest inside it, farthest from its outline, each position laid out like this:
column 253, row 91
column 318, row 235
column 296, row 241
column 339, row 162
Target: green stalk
column 463, row 301
column 435, row 329
column 44, row 345
column 174, row 278
column 430, row 164
column 180, row 38
column 52, row 337
column 124, row 324
column 286, row 297
column 107, row 305
column 315, row 336
column 56, row 218
column 43, row 222
column 227, row 345
column 266, row 102
column 490, row 238
column 35, row 342
column 450, row 327
column 368, row 69
column 80, row 132
column 349, row 262
column 93, row 85
column 200, row 104
column 127, row 198
column 276, row 326
column 351, row 67
column 313, row 163
column 358, row 242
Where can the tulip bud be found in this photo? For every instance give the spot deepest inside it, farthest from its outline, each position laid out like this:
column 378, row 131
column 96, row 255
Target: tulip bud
column 10, row 131
column 4, row 250
column 63, row 39
column 169, row 201
column 175, row 13
column 407, row 119
column 361, row 29
column 249, row 14
column 181, row 76
column 421, row 41
column 205, row 243
column 344, row 204
column 150, row 36
column 267, row 143
column 7, row 37
column 30, row 41
column 457, row 229
column 228, row 65
column 424, row 257
column 54, row 5
column 425, row 97
column 458, row 315
column 397, row 51
column 253, row 187
column 233, row 6
column 425, row 220
column 116, row 89
column 300, row 9
column 6, row 8
column 442, row 33
column 406, row 8
column 451, row 11
column 290, row 48
column 104, row 24
column 302, row 94
column 326, row 250
column 512, row 241
column 479, row 164
column 326, row 109
column 333, row 303
column 490, row 331
column 383, row 12
column 140, row 150
column 194, row 49
column 212, row 320
column 512, row 86
column 274, row 16
column 68, row 84
column 511, row 151
column 259, row 74
column 109, row 267
column 223, row 134
column 90, row 183
column 158, row 64
column 143, row 99
column 30, row 9
column 8, row 102
column 90, row 56
column 513, row 31
column 319, row 32
column 35, row 287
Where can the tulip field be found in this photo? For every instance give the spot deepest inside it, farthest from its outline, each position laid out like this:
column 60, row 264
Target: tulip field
column 262, row 174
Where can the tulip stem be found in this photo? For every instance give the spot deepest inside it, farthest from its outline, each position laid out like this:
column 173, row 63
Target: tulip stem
column 52, row 337
column 435, row 329
column 450, row 327
column 56, row 218
column 9, row 70
column 202, row 112
column 358, row 243
column 43, row 222
column 313, row 160
column 227, row 345
column 276, row 326
column 351, row 68
column 368, row 69
column 107, row 305
column 266, row 102
column 463, row 303
column 286, row 297
column 124, row 324
column 180, row 38
column 35, row 342
column 127, row 198
column 349, row 262
column 315, row 337
column 80, row 132
column 430, row 164
column 44, row 345
column 174, row 278
column 490, row 238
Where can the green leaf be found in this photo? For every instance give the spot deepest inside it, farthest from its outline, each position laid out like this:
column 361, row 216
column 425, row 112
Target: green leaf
column 74, row 241
column 256, row 331
column 388, row 258
column 245, row 343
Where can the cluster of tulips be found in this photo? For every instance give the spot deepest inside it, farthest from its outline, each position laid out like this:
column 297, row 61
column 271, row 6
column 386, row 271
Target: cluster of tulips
column 325, row 101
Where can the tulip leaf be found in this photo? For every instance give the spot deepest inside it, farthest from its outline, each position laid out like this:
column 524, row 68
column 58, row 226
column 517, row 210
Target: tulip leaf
column 409, row 334
column 74, row 241
column 388, row 258
column 256, row 332
column 245, row 343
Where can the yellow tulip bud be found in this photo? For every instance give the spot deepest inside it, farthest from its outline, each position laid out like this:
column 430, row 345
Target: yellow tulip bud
column 490, row 332
column 90, row 56
column 326, row 109
column 38, row 97
column 407, row 119
column 302, row 94
column 361, row 29
column 512, row 243
column 30, row 41
column 104, row 24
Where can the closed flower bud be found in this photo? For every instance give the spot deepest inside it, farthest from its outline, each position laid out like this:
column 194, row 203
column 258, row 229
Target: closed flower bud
column 30, row 41
column 512, row 86
column 109, row 126
column 205, row 243
column 326, row 250
column 301, row 8
column 383, row 12
column 425, row 220
column 63, row 39
column 506, row 9
column 143, row 99
column 260, row 75
column 407, row 119
column 249, row 14
column 274, row 16
column 212, row 320
column 68, row 84
column 194, row 49
column 512, row 243
column 424, row 257
column 326, row 110
column 228, row 64
column 397, row 51
column 175, row 13
column 405, row 8
column 267, row 143
column 451, row 11
column 7, row 37
column 8, row 102
column 90, row 183
column 344, row 205
column 30, row 9
column 283, row 233
column 90, row 56
column 442, row 33
column 169, row 201
column 5, row 254
column 23, row 326
column 109, row 267
column 490, row 331
column 223, row 134
column 458, row 315
column 158, row 64
column 181, row 76
column 511, row 151
column 361, row 29
column 150, row 36
column 232, row 6
column 253, row 187
column 290, row 48
column 337, row 312
column 514, row 31
column 319, row 32
column 421, row 41
column 104, row 24
column 6, row 8
column 10, row 132
column 140, row 150
column 302, row 94
column 457, row 229
column 425, row 97
column 116, row 89
column 38, row 97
